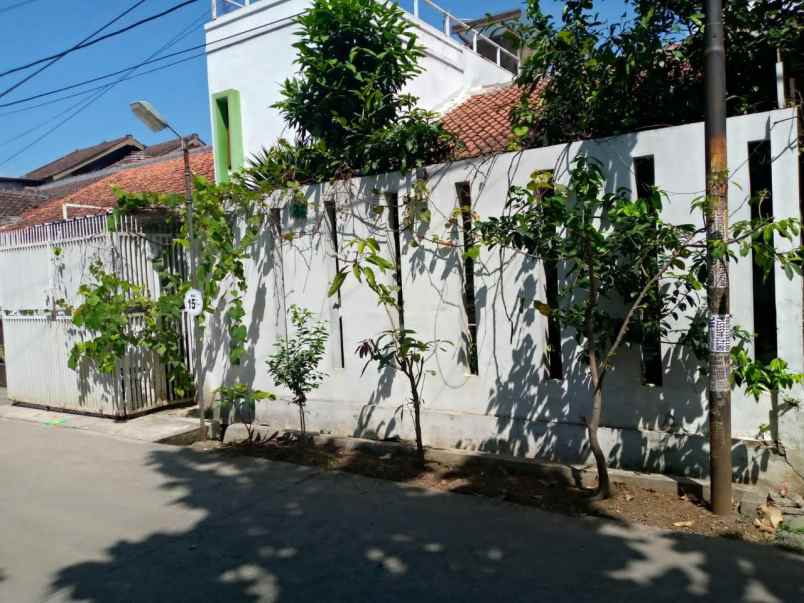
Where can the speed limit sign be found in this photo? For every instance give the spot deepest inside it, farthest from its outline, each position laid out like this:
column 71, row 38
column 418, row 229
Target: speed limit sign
column 193, row 302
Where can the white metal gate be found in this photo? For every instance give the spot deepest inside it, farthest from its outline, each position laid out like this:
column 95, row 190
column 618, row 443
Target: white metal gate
column 42, row 269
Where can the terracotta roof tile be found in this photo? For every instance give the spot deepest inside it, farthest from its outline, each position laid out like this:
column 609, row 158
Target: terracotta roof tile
column 482, row 122
column 159, row 177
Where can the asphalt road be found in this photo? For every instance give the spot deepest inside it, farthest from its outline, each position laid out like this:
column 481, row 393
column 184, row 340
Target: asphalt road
column 90, row 518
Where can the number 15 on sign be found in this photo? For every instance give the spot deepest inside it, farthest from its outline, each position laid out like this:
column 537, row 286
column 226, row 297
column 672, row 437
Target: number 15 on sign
column 193, row 302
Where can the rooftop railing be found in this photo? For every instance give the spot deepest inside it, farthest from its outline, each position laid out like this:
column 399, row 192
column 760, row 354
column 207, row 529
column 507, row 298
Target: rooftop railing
column 429, row 12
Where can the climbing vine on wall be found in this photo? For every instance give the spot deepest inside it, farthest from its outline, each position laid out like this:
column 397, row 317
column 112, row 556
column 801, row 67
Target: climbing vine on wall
column 121, row 315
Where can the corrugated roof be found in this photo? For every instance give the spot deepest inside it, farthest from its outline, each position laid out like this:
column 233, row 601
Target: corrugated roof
column 79, row 157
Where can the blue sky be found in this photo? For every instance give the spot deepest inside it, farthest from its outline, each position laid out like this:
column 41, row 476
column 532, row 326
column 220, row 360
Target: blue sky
column 31, row 29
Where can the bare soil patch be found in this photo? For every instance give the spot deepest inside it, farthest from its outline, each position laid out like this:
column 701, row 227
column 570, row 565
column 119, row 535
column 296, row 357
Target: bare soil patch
column 630, row 504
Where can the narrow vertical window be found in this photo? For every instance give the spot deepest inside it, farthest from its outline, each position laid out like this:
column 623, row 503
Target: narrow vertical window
column 393, row 223
column 227, row 133
column 555, row 362
column 279, row 270
column 651, row 344
column 333, row 229
column 764, row 284
column 465, row 205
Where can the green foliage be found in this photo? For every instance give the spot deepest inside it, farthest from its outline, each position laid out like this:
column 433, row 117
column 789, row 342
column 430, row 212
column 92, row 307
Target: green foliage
column 757, row 377
column 399, row 348
column 605, row 237
column 346, row 106
column 240, row 401
column 107, row 310
column 627, row 271
column 294, row 363
column 599, row 79
column 110, row 303
column 122, row 317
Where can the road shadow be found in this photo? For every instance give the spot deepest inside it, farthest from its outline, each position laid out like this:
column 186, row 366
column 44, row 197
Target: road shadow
column 274, row 532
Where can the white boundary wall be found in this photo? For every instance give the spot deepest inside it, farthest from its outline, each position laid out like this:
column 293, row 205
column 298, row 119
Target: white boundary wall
column 511, row 406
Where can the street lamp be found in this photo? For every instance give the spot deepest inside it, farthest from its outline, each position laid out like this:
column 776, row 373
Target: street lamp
column 147, row 114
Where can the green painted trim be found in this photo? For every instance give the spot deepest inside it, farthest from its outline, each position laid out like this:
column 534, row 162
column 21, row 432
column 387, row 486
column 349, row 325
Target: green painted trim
column 225, row 134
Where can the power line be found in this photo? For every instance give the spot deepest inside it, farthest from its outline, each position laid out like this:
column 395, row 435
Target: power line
column 111, row 34
column 16, row 5
column 79, row 107
column 30, row 76
column 156, row 60
column 93, row 89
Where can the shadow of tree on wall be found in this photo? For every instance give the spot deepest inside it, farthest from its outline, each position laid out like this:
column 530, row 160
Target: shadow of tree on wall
column 272, row 532
column 650, row 428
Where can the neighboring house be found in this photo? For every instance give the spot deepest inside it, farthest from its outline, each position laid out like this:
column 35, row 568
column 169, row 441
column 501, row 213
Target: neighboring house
column 163, row 174
column 44, row 258
column 16, row 199
column 482, row 121
column 77, row 170
column 243, row 85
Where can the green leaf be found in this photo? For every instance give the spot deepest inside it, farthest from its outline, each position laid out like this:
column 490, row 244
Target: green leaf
column 337, row 282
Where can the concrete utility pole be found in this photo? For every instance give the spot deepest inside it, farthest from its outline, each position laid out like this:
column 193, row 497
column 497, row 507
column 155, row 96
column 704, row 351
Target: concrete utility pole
column 717, row 225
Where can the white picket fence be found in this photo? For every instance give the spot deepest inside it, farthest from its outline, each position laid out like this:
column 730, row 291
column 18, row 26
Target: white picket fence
column 43, row 268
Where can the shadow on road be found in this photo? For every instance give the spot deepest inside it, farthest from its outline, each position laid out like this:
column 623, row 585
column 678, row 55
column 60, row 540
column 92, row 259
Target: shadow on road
column 275, row 532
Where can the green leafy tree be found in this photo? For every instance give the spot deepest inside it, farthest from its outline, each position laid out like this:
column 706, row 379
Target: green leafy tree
column 626, row 271
column 294, row 363
column 599, row 79
column 346, row 106
column 398, row 348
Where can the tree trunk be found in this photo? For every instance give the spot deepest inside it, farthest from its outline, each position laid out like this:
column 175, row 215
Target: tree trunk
column 592, row 426
column 417, row 419
column 300, row 401
column 593, row 422
column 417, row 424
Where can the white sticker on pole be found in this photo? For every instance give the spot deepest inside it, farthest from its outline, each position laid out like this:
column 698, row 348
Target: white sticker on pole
column 720, row 333
column 193, row 302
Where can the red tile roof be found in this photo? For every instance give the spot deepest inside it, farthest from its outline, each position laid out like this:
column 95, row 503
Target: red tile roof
column 482, row 122
column 165, row 176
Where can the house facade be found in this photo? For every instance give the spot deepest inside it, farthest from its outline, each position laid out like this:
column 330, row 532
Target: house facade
column 514, row 396
column 250, row 53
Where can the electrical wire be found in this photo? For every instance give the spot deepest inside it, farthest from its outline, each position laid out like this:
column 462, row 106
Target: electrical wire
column 16, row 5
column 113, row 73
column 94, row 88
column 77, row 108
column 30, row 76
column 111, row 34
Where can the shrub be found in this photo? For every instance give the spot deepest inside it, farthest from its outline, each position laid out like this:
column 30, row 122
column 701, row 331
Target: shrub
column 294, row 363
column 241, row 401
